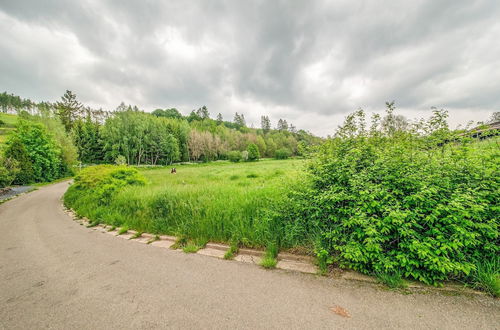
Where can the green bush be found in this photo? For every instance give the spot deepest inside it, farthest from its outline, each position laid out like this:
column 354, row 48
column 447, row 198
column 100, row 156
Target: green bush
column 9, row 168
column 100, row 183
column 253, row 152
column 37, row 153
column 234, row 156
column 282, row 153
column 420, row 202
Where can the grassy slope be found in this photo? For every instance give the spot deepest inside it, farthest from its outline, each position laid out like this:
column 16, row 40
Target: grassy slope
column 216, row 201
column 5, row 129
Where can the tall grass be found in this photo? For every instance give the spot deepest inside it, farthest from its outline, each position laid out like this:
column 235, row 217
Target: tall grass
column 218, row 201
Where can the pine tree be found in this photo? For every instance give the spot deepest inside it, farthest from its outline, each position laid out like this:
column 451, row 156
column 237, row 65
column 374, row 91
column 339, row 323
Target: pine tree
column 68, row 109
column 220, row 120
column 265, row 123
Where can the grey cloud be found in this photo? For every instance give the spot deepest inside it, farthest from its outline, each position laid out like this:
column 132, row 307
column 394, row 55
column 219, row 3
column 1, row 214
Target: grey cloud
column 283, row 58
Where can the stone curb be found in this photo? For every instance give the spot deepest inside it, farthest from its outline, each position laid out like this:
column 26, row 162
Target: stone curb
column 286, row 261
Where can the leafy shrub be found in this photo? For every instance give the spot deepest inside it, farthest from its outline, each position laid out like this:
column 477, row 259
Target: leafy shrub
column 253, row 152
column 414, row 200
column 234, row 156
column 37, row 153
column 102, row 182
column 282, row 153
column 244, row 155
column 8, row 171
column 120, row 160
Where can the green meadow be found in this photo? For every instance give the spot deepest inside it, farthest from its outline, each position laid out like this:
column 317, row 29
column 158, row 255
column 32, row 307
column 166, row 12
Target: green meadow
column 218, row 201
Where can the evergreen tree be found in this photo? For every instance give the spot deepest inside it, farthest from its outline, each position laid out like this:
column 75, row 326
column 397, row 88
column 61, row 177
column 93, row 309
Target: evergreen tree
column 220, row 120
column 68, row 109
column 265, row 124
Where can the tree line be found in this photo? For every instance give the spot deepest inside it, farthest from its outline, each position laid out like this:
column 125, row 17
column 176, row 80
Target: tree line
column 77, row 133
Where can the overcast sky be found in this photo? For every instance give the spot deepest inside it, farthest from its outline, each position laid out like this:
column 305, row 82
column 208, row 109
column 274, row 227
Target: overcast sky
column 311, row 62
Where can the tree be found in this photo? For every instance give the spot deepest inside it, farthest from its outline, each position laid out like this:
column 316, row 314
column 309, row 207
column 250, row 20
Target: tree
column 167, row 113
column 87, row 138
column 495, row 117
column 203, row 113
column 265, row 124
column 68, row 109
column 239, row 120
column 253, row 152
column 282, row 125
column 220, row 120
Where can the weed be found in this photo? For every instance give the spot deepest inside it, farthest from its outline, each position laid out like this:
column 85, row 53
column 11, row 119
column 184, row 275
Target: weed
column 393, row 280
column 234, row 177
column 252, row 176
column 180, row 243
column 155, row 238
column 112, row 228
column 137, row 235
column 123, row 230
column 191, row 248
column 268, row 262
column 92, row 224
column 232, row 251
column 270, row 258
column 486, row 276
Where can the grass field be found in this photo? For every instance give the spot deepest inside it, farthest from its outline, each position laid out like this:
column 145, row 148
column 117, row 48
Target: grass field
column 7, row 124
column 218, row 201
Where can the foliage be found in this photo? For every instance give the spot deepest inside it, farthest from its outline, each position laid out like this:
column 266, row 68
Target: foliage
column 253, row 152
column 282, row 153
column 120, row 160
column 88, row 140
column 100, row 183
column 36, row 151
column 68, row 109
column 234, row 156
column 8, row 171
column 395, row 198
column 140, row 138
column 17, row 151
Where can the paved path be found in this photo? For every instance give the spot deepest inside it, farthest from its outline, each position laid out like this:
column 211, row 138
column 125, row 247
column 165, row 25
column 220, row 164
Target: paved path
column 57, row 274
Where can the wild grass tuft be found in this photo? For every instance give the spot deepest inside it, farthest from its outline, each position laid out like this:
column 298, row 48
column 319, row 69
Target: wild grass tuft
column 137, row 235
column 486, row 276
column 270, row 260
column 123, row 230
column 180, row 243
column 393, row 280
column 154, row 239
column 232, row 251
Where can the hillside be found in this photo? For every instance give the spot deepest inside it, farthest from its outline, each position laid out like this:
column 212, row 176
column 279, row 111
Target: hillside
column 7, row 124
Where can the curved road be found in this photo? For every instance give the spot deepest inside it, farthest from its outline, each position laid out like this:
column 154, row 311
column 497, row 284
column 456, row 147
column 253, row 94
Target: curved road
column 57, row 274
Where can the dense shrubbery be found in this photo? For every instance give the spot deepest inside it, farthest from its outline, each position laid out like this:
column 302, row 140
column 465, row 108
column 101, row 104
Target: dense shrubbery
column 234, row 156
column 419, row 200
column 253, row 152
column 282, row 153
column 100, row 183
column 38, row 154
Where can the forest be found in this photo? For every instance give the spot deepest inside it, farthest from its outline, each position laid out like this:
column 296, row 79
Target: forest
column 70, row 134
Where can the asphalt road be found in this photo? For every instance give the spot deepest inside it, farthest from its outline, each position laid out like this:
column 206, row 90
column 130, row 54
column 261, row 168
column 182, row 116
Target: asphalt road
column 57, row 274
